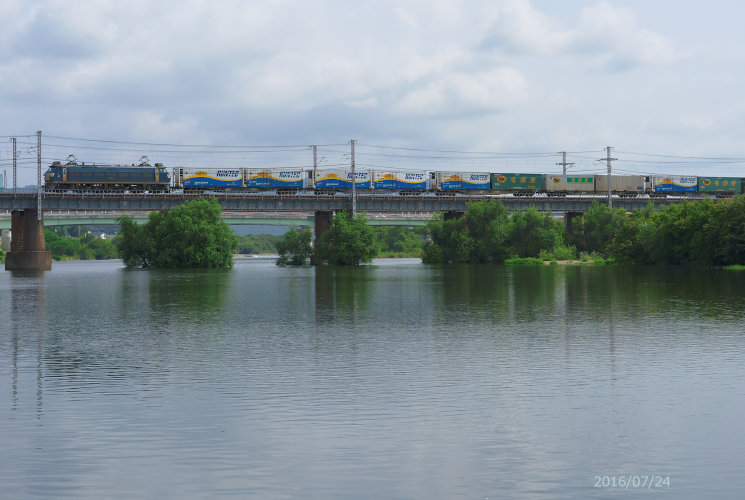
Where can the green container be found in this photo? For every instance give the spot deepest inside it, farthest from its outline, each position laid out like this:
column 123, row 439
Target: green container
column 720, row 185
column 517, row 182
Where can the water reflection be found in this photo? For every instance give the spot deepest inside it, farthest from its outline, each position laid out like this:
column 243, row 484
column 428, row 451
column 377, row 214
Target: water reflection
column 193, row 296
column 341, row 293
column 405, row 380
column 27, row 326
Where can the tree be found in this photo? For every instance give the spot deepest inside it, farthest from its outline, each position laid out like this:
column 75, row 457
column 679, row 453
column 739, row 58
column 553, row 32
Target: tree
column 399, row 240
column 349, row 241
column 135, row 243
column 601, row 224
column 449, row 242
column 487, row 234
column 480, row 236
column 488, row 227
column 530, row 232
column 294, row 247
column 192, row 235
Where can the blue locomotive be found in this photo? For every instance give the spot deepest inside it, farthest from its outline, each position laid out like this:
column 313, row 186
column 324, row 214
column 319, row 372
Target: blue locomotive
column 107, row 178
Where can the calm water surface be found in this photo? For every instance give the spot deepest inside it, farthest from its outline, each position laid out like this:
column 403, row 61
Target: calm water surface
column 396, row 380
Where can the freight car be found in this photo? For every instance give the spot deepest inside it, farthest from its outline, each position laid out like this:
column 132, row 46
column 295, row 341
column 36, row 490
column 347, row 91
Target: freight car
column 240, row 179
column 106, row 178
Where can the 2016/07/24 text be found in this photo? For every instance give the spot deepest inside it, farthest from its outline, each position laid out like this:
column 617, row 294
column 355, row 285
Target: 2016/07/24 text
column 648, row 482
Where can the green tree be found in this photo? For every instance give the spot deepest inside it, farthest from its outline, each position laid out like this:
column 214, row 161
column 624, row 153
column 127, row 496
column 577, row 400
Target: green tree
column 727, row 227
column 135, row 243
column 399, row 240
column 601, row 224
column 449, row 241
column 61, row 247
column 257, row 243
column 349, row 241
column 488, row 228
column 480, row 236
column 690, row 233
column 294, row 247
column 191, row 235
column 530, row 232
column 102, row 249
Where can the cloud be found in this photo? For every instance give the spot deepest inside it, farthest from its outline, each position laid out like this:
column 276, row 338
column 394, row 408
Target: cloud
column 613, row 36
column 605, row 36
column 459, row 93
column 521, row 28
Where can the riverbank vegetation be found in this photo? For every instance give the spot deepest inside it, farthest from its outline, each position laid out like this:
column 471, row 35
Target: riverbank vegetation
column 703, row 233
column 192, row 235
column 257, row 244
column 86, row 246
column 400, row 241
column 706, row 233
column 489, row 234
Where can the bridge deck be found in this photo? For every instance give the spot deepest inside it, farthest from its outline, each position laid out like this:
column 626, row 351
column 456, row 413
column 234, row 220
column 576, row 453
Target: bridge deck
column 313, row 203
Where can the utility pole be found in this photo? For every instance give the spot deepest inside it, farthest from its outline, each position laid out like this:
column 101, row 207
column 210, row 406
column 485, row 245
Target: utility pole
column 38, row 175
column 564, row 163
column 354, row 183
column 608, row 159
column 315, row 161
column 15, row 164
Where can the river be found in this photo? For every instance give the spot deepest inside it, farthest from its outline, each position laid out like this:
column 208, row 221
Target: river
column 394, row 380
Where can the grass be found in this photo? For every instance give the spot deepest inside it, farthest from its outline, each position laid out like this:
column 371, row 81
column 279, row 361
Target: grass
column 735, row 267
column 524, row 261
column 400, row 255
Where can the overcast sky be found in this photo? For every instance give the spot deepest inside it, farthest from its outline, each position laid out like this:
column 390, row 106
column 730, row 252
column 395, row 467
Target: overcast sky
column 501, row 76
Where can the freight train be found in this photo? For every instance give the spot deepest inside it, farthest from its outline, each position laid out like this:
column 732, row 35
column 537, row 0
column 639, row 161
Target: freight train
column 76, row 177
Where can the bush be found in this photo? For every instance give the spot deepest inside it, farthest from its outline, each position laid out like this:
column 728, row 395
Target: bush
column 487, row 233
column 294, row 247
column 191, row 235
column 349, row 241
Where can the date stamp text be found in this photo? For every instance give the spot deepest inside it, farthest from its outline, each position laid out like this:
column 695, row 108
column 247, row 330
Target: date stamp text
column 650, row 482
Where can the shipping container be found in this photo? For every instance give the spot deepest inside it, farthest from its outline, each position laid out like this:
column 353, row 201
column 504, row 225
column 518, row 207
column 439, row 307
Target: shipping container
column 275, row 178
column 720, row 185
column 570, row 184
column 517, row 182
column 461, row 181
column 341, row 178
column 621, row 183
column 674, row 184
column 205, row 178
column 399, row 179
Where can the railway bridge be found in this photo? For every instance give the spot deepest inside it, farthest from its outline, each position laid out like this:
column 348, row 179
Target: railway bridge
column 28, row 247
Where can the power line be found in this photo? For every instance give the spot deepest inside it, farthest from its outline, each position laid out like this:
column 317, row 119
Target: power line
column 185, row 145
column 683, row 157
column 521, row 155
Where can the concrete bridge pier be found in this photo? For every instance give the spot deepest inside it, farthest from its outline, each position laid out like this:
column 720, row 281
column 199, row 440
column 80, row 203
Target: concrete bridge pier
column 323, row 220
column 5, row 239
column 27, row 247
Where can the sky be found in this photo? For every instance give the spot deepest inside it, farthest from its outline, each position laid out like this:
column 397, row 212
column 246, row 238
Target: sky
column 495, row 85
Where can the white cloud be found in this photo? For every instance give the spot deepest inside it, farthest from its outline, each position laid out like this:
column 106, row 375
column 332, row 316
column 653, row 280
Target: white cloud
column 614, row 35
column 458, row 94
column 608, row 36
column 520, row 27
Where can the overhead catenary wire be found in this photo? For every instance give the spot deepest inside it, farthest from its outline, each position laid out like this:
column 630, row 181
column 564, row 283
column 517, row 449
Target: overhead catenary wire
column 374, row 156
